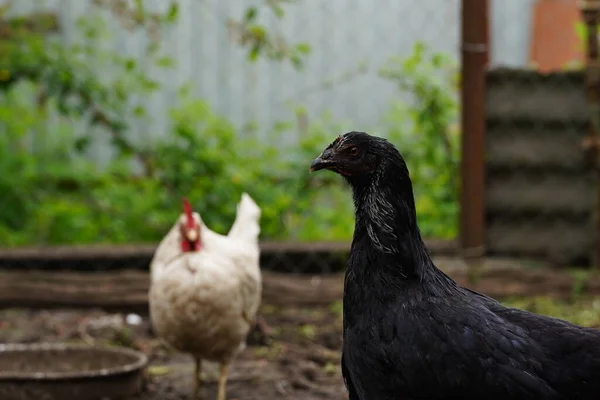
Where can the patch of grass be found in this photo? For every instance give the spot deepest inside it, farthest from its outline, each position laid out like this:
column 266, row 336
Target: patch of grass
column 158, row 370
column 336, row 308
column 583, row 311
column 307, row 331
column 269, row 352
column 580, row 277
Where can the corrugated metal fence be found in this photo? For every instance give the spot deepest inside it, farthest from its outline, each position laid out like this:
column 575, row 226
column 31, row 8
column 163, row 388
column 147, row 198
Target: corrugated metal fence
column 349, row 42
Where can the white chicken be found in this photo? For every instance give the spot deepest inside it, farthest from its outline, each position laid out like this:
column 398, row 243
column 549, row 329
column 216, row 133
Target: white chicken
column 206, row 288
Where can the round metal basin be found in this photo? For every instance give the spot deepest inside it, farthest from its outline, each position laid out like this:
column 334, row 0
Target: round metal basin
column 48, row 371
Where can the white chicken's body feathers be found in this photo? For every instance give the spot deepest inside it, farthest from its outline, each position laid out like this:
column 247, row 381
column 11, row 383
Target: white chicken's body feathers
column 201, row 302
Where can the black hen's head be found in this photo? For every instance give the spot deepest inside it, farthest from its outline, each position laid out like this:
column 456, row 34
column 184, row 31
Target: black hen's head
column 360, row 158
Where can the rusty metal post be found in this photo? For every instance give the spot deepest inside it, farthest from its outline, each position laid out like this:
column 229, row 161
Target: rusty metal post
column 590, row 11
column 474, row 37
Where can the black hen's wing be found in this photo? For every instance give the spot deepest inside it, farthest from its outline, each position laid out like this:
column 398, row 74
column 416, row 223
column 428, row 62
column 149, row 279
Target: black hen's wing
column 574, row 351
column 352, row 393
column 451, row 348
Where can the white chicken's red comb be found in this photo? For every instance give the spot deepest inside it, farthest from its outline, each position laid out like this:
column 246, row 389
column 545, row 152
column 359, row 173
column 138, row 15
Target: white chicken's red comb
column 187, row 209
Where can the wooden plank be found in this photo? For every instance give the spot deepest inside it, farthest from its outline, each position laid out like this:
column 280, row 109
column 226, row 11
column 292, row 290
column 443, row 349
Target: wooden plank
column 77, row 252
column 128, row 289
column 118, row 252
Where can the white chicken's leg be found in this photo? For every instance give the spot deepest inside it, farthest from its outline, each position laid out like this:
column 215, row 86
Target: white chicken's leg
column 198, row 380
column 222, row 391
column 247, row 318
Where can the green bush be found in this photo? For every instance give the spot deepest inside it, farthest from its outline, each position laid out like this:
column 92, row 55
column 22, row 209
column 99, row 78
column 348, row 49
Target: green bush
column 205, row 159
column 425, row 128
column 52, row 191
column 54, row 194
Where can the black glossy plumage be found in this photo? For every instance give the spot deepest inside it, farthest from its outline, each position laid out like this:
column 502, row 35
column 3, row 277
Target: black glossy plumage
column 410, row 332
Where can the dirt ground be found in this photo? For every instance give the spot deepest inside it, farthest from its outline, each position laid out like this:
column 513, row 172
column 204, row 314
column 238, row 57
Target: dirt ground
column 297, row 358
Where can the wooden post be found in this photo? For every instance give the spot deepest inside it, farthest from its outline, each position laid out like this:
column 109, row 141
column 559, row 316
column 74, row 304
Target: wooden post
column 474, row 37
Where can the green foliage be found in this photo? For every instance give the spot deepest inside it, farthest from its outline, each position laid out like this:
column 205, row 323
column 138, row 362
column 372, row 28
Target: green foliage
column 324, row 211
column 207, row 160
column 248, row 32
column 425, row 127
column 262, row 43
column 54, row 192
column 59, row 196
column 581, row 32
column 63, row 78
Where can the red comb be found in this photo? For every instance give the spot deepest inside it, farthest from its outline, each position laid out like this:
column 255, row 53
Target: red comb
column 187, row 209
column 190, row 224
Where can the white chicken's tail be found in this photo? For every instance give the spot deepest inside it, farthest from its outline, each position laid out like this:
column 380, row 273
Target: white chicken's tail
column 246, row 226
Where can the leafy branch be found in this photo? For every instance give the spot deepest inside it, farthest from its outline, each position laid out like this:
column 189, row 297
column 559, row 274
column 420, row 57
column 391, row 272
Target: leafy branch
column 248, row 33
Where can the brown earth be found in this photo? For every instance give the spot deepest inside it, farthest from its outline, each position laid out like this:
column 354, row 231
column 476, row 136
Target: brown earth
column 295, row 355
column 297, row 358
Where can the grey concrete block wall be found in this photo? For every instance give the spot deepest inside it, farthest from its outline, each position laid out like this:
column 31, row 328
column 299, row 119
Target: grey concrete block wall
column 539, row 193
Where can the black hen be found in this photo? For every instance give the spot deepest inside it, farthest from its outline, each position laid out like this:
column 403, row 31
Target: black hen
column 410, row 332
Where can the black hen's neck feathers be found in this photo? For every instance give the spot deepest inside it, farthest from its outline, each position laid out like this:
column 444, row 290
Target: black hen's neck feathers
column 386, row 221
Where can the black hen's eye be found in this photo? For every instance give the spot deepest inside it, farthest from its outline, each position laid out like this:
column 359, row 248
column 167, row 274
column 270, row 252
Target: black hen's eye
column 354, row 151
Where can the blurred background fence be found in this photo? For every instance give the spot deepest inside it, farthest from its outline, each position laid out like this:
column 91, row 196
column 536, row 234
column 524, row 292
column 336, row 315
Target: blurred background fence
column 112, row 110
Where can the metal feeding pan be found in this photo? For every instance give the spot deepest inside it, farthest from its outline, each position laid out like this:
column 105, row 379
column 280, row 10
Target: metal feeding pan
column 54, row 371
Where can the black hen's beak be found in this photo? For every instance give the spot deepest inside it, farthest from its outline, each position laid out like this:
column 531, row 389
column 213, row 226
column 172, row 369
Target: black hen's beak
column 317, row 164
column 324, row 161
